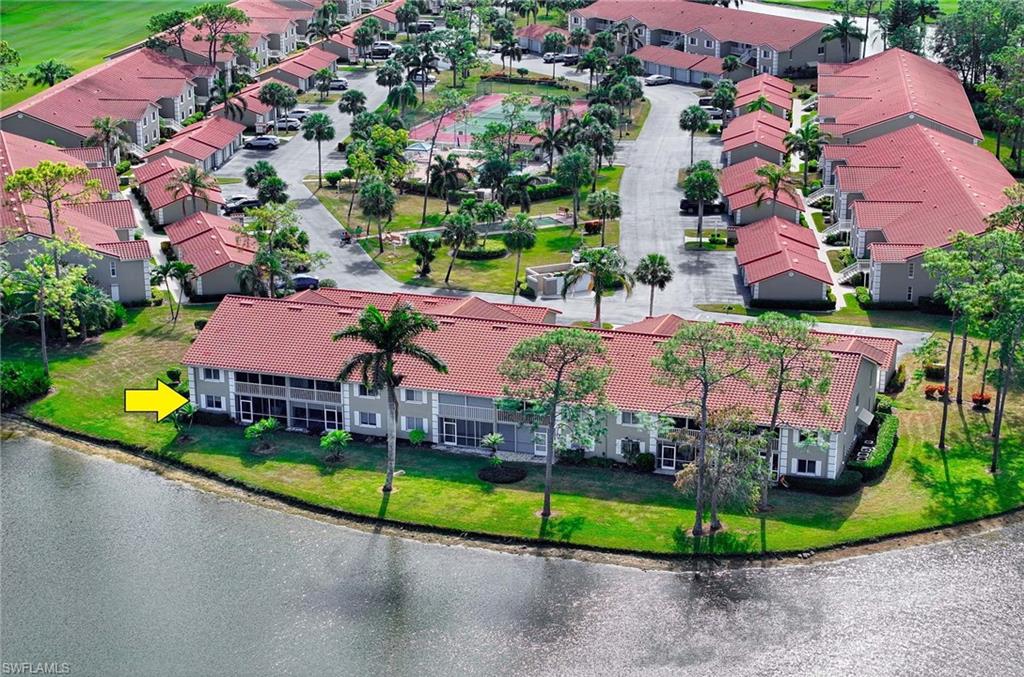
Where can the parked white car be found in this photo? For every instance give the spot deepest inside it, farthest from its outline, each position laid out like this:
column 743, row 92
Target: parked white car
column 298, row 113
column 655, row 80
column 264, row 142
column 288, row 123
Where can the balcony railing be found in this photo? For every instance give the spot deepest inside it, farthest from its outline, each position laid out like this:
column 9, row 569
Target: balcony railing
column 516, row 417
column 465, row 412
column 849, row 271
column 840, row 226
column 823, row 192
column 331, row 396
column 279, row 392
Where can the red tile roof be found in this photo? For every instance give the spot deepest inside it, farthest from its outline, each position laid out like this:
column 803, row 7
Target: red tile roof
column 251, row 95
column 131, row 250
column 260, row 8
column 758, row 127
column 124, row 87
column 661, row 325
column 115, row 213
column 774, row 246
column 88, row 154
column 920, row 186
column 538, row 31
column 202, row 139
column 107, row 176
column 736, row 179
column 666, row 56
column 764, row 83
column 155, row 180
column 288, row 337
column 305, row 64
column 733, row 25
column 883, row 252
column 208, row 242
column 468, row 306
column 892, row 84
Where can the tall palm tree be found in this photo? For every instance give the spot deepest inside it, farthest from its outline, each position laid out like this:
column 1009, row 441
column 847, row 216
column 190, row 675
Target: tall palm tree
column 221, row 93
column 387, row 338
column 693, row 119
column 772, row 180
column 701, row 186
column 444, row 176
column 402, row 97
column 49, row 73
column 510, row 50
column 257, row 172
column 352, row 102
column 731, row 63
column 162, row 275
column 607, row 270
column 807, row 142
column 192, row 181
column 377, row 200
column 108, row 134
column 459, row 232
column 318, row 127
column 579, row 38
column 655, row 271
column 604, row 204
column 322, row 80
column 390, row 74
column 183, row 273
column 520, row 235
column 322, row 28
column 550, row 141
column 844, row 30
column 516, row 189
column 630, row 37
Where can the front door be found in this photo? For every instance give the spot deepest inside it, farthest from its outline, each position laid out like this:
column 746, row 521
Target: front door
column 330, row 419
column 245, row 410
column 775, row 467
column 115, row 292
column 540, row 443
column 450, row 433
column 668, row 457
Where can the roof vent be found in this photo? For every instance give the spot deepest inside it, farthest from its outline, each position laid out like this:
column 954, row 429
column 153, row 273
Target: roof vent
column 245, row 303
column 294, row 307
column 498, row 327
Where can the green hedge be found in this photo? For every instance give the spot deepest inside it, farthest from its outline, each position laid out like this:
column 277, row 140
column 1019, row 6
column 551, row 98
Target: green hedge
column 21, row 383
column 847, row 483
column 885, row 444
column 822, row 304
column 493, row 250
column 548, row 191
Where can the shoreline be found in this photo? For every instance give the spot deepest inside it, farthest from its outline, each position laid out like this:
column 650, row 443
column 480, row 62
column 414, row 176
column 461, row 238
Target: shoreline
column 18, row 426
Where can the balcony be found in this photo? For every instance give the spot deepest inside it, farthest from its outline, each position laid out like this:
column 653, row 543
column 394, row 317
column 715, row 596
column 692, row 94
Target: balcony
column 465, row 412
column 329, row 396
column 823, row 192
column 840, row 226
column 844, row 275
column 515, row 417
column 277, row 392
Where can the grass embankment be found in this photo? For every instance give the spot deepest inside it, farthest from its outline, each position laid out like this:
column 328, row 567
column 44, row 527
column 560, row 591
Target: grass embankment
column 913, row 320
column 75, row 32
column 594, row 507
column 554, row 245
column 946, row 6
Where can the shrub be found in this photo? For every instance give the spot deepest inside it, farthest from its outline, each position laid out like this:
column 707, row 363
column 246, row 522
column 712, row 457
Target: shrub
column 168, row 251
column 980, row 400
column 417, row 437
column 935, row 392
column 482, row 253
column 898, row 381
column 835, row 239
column 123, row 167
column 332, row 178
column 714, row 130
column 863, row 296
column 935, row 371
column 883, row 405
column 174, row 375
column 644, row 462
column 591, row 227
column 549, row 191
column 200, row 323
column 527, row 292
column 20, row 383
column 876, row 465
column 192, row 119
column 328, row 283
column 847, row 483
column 571, row 456
column 210, row 418
column 501, row 474
column 716, row 238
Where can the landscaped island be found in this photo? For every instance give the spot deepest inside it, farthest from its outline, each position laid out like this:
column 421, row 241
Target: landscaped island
column 594, row 507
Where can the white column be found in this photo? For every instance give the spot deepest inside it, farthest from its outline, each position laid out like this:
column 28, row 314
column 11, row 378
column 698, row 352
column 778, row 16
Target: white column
column 833, row 456
column 434, row 423
column 231, row 394
column 783, row 451
column 192, row 396
column 347, row 413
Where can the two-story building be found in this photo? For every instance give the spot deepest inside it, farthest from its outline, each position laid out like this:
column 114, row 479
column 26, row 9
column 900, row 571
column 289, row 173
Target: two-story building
column 746, row 205
column 778, row 94
column 300, row 71
column 762, row 42
column 260, row 358
column 217, row 251
column 755, row 135
column 157, row 184
column 208, row 143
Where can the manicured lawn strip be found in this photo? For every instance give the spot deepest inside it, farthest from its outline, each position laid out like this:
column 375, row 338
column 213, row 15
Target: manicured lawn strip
column 838, row 258
column 76, row 32
column 637, row 124
column 851, row 314
column 594, row 507
column 946, row 6
column 819, row 221
column 408, row 210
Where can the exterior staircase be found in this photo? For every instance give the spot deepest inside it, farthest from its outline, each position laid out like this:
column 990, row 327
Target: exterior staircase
column 840, row 226
column 823, row 192
column 849, row 271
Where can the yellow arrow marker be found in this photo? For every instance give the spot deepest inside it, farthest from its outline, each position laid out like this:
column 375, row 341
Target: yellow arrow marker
column 163, row 400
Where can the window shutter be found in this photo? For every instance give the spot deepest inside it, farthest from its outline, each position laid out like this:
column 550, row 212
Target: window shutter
column 618, row 417
column 618, row 445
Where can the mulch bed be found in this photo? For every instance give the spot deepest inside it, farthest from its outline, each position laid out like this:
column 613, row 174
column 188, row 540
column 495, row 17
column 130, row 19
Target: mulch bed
column 501, row 474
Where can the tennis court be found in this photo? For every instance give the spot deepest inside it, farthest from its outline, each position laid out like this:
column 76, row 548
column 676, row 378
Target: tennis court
column 458, row 128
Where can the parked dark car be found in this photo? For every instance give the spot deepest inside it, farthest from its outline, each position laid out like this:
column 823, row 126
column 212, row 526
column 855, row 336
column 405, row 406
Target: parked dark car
column 239, row 204
column 690, row 206
column 304, row 282
column 570, row 59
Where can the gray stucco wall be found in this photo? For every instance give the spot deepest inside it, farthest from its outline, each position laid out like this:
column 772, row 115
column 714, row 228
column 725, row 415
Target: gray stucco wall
column 790, row 287
column 752, row 150
column 755, row 212
column 894, row 282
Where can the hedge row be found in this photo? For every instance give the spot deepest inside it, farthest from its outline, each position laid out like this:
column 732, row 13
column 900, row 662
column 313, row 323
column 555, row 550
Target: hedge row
column 482, row 254
column 847, row 483
column 824, row 304
column 20, row 383
column 885, row 444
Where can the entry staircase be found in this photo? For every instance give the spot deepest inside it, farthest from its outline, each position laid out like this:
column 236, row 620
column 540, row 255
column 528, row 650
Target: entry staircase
column 821, row 193
column 847, row 273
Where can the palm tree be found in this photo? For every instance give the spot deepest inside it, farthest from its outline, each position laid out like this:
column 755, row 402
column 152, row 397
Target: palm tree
column 731, row 63
column 693, row 119
column 318, row 127
column 377, row 200
column 458, row 233
column 192, row 181
column 49, row 73
column 516, row 189
column 162, row 275
column 390, row 74
column 594, row 61
column 844, row 30
column 444, row 176
column 520, row 235
column 773, row 180
column 607, row 270
column 257, row 172
column 223, row 94
column 278, row 96
column 760, row 103
column 250, row 279
column 402, row 96
column 107, row 133
column 653, row 270
column 701, row 186
column 182, row 272
column 352, row 102
column 579, row 38
column 553, row 42
column 630, row 37
column 322, row 28
column 604, row 204
column 323, row 79
column 388, row 338
column 272, row 189
column 807, row 142
column 510, row 50
column 550, row 141
column 490, row 212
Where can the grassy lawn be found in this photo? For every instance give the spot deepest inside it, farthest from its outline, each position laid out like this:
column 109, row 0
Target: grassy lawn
column 946, row 6
column 636, row 125
column 706, row 247
column 851, row 314
column 989, row 144
column 593, row 506
column 76, row 32
column 839, row 258
column 228, row 180
column 408, row 209
column 819, row 221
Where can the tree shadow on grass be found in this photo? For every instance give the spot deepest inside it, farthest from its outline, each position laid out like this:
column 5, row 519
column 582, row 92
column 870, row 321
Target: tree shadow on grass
column 712, row 543
column 560, row 528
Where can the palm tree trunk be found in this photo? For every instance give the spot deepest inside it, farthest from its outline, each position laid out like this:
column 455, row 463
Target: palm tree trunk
column 700, row 224
column 716, row 524
column 998, row 419
column 650, row 309
column 698, row 522
column 380, row 236
column 515, row 285
column 945, row 399
column 319, row 168
column 691, row 147
column 602, row 231
column 389, row 477
column 597, row 306
column 455, row 253
column 549, row 462
column 575, row 209
column 181, row 292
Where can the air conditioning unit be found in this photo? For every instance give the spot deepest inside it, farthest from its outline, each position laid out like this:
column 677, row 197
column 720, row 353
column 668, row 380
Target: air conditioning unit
column 484, row 193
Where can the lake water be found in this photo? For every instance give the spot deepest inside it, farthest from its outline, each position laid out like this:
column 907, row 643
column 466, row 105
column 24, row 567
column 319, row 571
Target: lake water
column 117, row 571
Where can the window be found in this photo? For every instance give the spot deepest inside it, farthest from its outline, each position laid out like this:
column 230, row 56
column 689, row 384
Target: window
column 910, row 271
column 630, row 418
column 693, row 41
column 802, row 436
column 414, row 423
column 211, row 374
column 821, row 50
column 806, row 467
column 910, row 293
column 113, row 269
column 856, row 401
column 630, row 448
column 264, row 379
column 709, row 43
column 766, row 54
column 368, row 419
column 368, row 392
column 410, row 395
column 213, row 402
